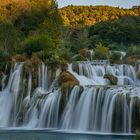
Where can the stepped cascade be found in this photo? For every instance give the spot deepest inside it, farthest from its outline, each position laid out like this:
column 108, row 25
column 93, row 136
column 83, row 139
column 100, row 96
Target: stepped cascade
column 94, row 105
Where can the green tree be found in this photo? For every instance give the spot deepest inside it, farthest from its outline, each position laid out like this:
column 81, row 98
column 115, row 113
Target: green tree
column 79, row 39
column 9, row 40
column 41, row 13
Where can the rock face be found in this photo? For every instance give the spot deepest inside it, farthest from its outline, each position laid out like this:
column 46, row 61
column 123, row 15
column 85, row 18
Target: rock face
column 113, row 80
column 67, row 80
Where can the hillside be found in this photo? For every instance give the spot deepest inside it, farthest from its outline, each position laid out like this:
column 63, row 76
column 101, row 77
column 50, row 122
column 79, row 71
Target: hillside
column 90, row 15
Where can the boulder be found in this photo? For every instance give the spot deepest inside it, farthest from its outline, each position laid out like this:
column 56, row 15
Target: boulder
column 67, row 80
column 113, row 80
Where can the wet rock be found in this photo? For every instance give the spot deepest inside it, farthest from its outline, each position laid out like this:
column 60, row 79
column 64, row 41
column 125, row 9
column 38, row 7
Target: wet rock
column 67, row 80
column 113, row 80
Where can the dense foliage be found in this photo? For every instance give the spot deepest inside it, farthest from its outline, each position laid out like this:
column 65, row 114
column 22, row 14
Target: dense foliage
column 28, row 27
column 90, row 15
column 38, row 27
column 116, row 34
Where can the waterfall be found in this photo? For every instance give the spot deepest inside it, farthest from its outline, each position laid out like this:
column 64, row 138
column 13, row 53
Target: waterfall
column 101, row 109
column 8, row 98
column 94, row 105
column 89, row 74
column 46, row 80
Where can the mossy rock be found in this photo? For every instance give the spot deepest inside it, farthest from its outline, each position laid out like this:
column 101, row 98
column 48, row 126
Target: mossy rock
column 35, row 60
column 67, row 80
column 17, row 58
column 113, row 80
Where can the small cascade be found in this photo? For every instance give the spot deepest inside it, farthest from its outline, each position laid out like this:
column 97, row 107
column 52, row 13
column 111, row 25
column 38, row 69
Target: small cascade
column 94, row 105
column 101, row 109
column 46, row 79
column 94, row 74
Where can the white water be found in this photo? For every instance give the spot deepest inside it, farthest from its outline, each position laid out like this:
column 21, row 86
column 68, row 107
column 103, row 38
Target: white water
column 94, row 74
column 8, row 98
column 95, row 108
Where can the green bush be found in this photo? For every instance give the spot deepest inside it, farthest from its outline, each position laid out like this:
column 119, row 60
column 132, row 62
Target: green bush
column 9, row 38
column 101, row 52
column 115, row 57
column 133, row 50
column 35, row 44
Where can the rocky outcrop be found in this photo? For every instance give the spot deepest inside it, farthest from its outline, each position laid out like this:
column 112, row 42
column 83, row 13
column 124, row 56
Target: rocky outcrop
column 113, row 80
column 67, row 80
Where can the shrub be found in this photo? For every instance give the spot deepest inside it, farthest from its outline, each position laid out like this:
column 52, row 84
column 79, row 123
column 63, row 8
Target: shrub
column 101, row 52
column 36, row 44
column 133, row 50
column 115, row 57
column 84, row 52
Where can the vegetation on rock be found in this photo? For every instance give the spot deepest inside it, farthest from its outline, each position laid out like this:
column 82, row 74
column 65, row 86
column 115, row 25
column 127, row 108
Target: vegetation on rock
column 67, row 80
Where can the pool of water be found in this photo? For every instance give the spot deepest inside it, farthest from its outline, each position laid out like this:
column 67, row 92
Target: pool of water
column 58, row 135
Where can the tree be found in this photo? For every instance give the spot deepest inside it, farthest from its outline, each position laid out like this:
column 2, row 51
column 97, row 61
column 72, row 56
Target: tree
column 41, row 13
column 9, row 39
column 90, row 15
column 79, row 39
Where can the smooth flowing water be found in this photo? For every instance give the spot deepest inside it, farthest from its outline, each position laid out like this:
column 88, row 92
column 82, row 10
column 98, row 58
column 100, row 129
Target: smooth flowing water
column 93, row 106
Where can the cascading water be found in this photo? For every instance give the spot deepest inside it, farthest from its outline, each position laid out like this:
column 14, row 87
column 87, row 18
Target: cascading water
column 89, row 74
column 94, row 105
column 8, row 98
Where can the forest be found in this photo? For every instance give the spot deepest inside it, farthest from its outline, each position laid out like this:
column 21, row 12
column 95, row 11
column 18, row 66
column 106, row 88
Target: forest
column 38, row 28
column 90, row 15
